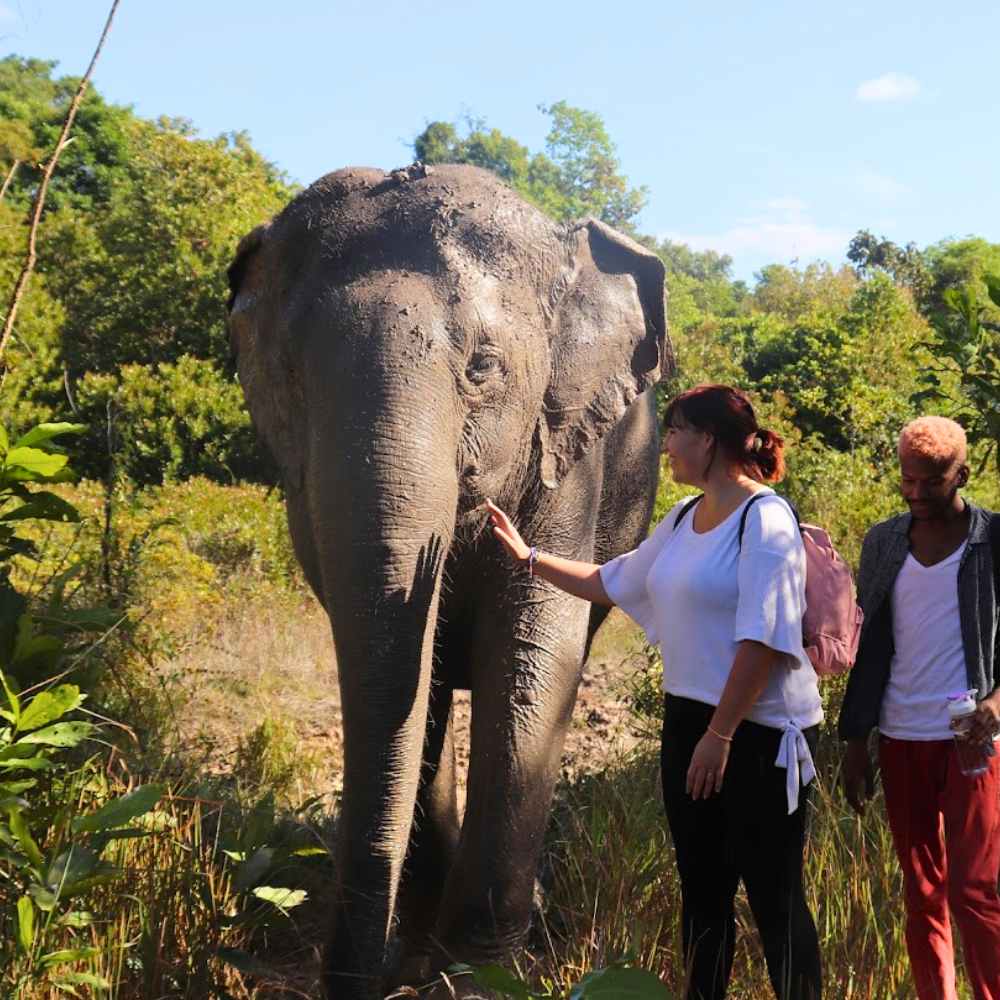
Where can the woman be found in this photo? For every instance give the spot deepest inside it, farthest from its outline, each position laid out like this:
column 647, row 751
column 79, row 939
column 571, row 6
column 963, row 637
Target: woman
column 720, row 586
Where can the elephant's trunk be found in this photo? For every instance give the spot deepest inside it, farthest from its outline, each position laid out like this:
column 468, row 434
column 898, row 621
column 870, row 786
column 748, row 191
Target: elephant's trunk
column 393, row 510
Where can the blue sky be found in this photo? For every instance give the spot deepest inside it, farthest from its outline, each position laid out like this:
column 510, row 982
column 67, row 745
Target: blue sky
column 769, row 131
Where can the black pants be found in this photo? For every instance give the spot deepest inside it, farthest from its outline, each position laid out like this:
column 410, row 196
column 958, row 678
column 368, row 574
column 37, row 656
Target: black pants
column 744, row 832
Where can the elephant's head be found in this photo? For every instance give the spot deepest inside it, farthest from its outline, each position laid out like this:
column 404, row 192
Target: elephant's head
column 447, row 318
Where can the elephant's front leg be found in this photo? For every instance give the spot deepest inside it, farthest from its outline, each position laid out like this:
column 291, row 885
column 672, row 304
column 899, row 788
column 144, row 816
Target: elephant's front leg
column 528, row 656
column 433, row 842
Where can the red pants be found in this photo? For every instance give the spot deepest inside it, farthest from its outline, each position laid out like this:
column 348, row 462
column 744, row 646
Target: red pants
column 946, row 828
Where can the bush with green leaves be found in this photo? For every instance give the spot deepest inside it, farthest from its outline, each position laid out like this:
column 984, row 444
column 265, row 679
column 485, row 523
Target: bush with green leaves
column 56, row 828
column 966, row 346
column 168, row 422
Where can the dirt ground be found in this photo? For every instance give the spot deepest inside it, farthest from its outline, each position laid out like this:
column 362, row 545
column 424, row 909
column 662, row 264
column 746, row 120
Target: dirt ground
column 274, row 663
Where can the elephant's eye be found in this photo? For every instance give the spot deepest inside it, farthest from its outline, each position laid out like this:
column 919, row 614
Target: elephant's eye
column 484, row 364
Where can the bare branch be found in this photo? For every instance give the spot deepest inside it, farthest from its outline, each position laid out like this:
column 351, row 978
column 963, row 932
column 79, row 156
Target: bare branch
column 9, row 178
column 36, row 211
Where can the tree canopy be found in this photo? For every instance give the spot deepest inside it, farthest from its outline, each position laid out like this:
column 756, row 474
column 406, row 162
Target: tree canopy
column 126, row 314
column 577, row 175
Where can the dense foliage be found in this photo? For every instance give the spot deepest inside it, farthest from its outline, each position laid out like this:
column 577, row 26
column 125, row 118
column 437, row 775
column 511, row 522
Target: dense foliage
column 124, row 321
column 122, row 328
column 149, row 585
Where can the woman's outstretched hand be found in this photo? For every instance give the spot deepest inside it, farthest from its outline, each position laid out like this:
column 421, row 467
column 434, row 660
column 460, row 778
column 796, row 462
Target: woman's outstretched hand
column 501, row 526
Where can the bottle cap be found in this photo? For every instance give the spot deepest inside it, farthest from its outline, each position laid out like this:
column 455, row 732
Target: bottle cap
column 961, row 703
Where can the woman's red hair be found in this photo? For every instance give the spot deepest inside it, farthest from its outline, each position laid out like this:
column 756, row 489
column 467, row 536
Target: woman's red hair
column 727, row 414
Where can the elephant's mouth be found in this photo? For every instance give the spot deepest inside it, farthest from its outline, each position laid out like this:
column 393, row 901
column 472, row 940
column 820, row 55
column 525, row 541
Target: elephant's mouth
column 471, row 521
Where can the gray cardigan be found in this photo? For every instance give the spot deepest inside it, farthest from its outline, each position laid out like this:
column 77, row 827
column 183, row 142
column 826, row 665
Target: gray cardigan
column 882, row 556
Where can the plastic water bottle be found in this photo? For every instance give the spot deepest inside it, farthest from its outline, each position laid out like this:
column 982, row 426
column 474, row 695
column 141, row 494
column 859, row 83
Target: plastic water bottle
column 973, row 757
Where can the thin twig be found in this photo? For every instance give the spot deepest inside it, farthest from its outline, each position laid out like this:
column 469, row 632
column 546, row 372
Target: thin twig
column 9, row 178
column 36, row 212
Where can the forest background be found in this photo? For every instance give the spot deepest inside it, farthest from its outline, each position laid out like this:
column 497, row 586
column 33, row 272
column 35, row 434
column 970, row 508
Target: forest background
column 182, row 544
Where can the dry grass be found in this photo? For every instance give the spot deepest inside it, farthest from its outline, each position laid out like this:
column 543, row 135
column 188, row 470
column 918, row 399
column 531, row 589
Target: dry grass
column 255, row 687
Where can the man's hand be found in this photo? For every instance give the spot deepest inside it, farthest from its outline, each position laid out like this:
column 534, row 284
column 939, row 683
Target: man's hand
column 986, row 722
column 858, row 775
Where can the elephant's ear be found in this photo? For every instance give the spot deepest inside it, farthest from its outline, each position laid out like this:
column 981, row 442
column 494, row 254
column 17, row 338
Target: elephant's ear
column 264, row 372
column 237, row 270
column 608, row 341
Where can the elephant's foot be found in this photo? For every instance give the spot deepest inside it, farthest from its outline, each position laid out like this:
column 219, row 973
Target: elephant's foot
column 459, row 986
column 410, row 963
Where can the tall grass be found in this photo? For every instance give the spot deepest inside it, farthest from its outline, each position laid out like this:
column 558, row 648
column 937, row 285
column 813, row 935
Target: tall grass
column 613, row 889
column 234, row 648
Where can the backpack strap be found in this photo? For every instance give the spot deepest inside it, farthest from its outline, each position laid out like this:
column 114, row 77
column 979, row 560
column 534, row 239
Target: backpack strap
column 995, row 551
column 752, row 501
column 685, row 509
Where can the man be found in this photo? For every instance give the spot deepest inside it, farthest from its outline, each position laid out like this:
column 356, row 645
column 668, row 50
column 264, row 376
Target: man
column 926, row 587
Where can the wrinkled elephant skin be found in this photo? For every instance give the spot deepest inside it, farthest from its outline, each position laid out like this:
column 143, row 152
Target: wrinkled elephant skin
column 409, row 345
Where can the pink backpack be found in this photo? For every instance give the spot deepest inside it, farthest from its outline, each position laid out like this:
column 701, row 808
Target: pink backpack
column 831, row 625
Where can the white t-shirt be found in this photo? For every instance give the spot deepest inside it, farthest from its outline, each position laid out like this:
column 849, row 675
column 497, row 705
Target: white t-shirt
column 929, row 659
column 698, row 595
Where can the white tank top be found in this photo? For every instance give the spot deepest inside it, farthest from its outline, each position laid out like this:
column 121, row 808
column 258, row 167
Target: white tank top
column 929, row 659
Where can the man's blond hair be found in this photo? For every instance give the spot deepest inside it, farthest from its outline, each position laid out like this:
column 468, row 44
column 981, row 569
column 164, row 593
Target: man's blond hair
column 937, row 438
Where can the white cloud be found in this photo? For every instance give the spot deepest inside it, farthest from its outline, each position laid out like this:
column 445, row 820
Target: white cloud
column 783, row 231
column 879, row 185
column 888, row 87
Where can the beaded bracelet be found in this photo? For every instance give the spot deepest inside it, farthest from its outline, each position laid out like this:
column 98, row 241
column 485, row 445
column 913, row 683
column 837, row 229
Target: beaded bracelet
column 717, row 734
column 532, row 559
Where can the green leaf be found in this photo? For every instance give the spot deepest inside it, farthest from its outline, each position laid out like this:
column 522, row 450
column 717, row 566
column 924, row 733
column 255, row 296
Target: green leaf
column 27, row 764
column 34, row 461
column 282, row 899
column 4, row 440
column 69, row 955
column 19, row 827
column 496, row 977
column 25, row 923
column 44, row 898
column 619, row 984
column 251, row 871
column 63, row 985
column 76, row 918
column 68, row 979
column 44, row 506
column 119, row 812
column 12, row 698
column 44, row 432
column 70, row 867
column 62, row 734
column 18, row 750
column 14, row 788
column 47, row 706
column 30, row 647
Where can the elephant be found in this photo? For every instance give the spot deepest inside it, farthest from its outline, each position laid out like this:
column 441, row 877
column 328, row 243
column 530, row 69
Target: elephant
column 409, row 345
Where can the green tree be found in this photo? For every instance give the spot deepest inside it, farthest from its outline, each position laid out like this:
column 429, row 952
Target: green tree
column 906, row 266
column 32, row 108
column 170, row 421
column 847, row 370
column 966, row 376
column 578, row 175
column 143, row 281
column 956, row 265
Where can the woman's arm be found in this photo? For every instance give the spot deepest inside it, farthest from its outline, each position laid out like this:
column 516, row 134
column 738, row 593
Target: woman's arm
column 581, row 579
column 748, row 677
